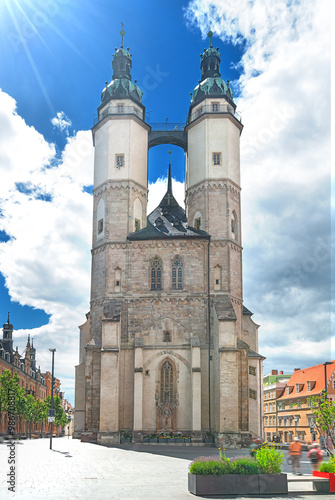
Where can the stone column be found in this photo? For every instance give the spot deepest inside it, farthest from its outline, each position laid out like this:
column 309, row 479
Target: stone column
column 196, row 385
column 138, row 385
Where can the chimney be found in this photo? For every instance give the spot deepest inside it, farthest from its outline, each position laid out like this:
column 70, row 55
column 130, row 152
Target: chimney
column 274, row 372
column 297, row 369
column 281, row 372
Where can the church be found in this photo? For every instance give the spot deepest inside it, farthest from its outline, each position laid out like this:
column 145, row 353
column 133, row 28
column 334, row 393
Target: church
column 168, row 345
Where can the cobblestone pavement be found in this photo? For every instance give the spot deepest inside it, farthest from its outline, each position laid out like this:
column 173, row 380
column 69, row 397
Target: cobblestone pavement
column 87, row 471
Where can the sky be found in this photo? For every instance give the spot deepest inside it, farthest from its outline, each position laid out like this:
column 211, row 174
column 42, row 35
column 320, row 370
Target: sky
column 56, row 56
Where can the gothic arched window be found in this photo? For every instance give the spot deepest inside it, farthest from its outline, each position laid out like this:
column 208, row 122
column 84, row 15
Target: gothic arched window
column 177, row 275
column 156, row 274
column 167, row 383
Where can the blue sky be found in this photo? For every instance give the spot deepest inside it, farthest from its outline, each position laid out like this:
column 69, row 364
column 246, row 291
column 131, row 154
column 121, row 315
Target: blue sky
column 56, row 56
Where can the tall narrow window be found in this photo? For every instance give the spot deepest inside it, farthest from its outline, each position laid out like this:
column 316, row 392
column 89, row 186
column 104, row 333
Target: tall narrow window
column 217, row 277
column 156, row 275
column 117, row 280
column 120, row 108
column 167, row 386
column 215, row 107
column 234, row 225
column 137, row 225
column 177, row 275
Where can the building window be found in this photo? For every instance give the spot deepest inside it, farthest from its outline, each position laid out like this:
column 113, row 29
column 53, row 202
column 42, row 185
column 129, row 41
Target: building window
column 234, row 225
column 199, row 112
column 287, row 391
column 265, row 408
column 252, row 370
column 117, row 280
column 297, row 388
column 167, row 386
column 137, row 225
column 156, row 275
column 166, row 336
column 216, row 158
column 120, row 108
column 217, row 278
column 177, row 275
column 252, row 394
column 100, row 226
column 119, row 161
column 197, row 223
column 215, row 107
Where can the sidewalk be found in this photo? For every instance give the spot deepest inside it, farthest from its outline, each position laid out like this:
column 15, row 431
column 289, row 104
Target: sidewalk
column 83, row 471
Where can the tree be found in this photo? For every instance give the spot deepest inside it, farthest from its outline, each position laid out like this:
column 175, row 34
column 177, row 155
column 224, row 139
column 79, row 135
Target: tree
column 324, row 417
column 60, row 416
column 11, row 395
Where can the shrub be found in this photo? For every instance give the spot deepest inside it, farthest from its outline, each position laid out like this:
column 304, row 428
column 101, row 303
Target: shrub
column 269, row 459
column 328, row 466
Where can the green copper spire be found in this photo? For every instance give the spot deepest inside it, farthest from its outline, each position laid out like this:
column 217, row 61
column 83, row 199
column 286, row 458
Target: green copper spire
column 210, row 34
column 122, row 33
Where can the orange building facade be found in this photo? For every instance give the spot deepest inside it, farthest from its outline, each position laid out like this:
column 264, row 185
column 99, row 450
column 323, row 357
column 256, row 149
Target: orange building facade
column 293, row 416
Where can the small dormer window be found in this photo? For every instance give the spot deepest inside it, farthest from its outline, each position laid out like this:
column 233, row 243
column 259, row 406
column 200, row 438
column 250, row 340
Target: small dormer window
column 287, row 391
column 176, row 222
column 165, row 211
column 297, row 388
column 159, row 222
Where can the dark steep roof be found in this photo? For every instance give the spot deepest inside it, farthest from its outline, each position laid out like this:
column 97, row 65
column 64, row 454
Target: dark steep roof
column 168, row 220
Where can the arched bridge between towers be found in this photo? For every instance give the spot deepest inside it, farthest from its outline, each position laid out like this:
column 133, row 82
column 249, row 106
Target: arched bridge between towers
column 168, row 133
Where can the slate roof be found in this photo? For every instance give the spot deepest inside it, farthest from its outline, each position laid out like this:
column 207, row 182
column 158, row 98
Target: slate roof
column 247, row 312
column 224, row 309
column 168, row 220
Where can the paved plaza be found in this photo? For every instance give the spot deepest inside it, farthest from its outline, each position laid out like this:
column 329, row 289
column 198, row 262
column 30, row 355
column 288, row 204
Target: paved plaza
column 87, row 471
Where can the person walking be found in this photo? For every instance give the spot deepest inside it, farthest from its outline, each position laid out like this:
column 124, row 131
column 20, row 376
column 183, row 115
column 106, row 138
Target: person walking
column 315, row 455
column 295, row 450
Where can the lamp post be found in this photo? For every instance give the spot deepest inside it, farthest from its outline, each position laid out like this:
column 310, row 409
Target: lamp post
column 52, row 392
column 326, row 380
column 295, row 424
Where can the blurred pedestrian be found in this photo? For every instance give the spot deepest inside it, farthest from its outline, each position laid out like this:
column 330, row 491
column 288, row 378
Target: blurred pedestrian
column 295, row 450
column 315, row 455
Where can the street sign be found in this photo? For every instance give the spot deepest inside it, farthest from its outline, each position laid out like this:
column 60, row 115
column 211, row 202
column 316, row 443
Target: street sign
column 51, row 419
column 51, row 413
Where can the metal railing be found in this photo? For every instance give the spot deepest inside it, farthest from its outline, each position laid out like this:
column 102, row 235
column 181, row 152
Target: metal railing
column 167, row 126
column 218, row 108
column 119, row 110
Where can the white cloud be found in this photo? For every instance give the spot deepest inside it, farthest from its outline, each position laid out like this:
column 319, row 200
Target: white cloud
column 62, row 122
column 47, row 215
column 284, row 99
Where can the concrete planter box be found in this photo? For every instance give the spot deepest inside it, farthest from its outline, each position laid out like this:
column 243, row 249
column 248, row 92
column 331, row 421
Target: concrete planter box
column 236, row 484
column 146, row 440
column 170, row 440
column 209, row 440
column 125, row 440
column 153, row 440
column 187, row 440
column 327, row 475
column 179, row 440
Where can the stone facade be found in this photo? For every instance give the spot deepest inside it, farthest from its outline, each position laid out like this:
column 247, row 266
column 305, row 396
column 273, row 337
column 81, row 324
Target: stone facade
column 167, row 344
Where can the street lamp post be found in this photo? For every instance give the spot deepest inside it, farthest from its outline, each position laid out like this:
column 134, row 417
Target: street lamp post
column 52, row 392
column 326, row 384
column 295, row 425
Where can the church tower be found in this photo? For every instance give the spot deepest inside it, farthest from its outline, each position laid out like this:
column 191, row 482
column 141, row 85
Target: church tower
column 168, row 346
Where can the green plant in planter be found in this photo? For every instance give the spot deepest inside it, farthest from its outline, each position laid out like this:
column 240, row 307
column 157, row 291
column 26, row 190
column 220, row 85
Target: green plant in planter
column 125, row 435
column 328, row 466
column 269, row 459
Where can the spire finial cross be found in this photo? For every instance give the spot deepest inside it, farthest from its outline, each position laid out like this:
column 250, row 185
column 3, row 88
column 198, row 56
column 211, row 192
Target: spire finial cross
column 210, row 34
column 122, row 33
